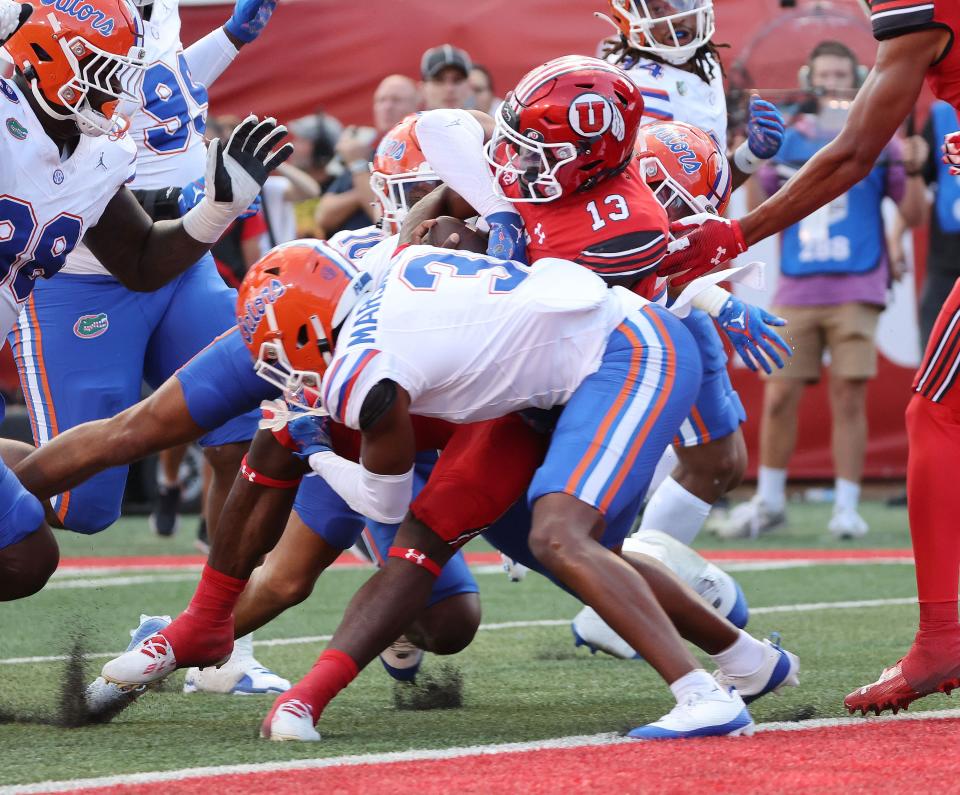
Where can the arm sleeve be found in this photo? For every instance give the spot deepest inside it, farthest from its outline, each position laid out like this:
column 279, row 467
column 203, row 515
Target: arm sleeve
column 452, row 142
column 383, row 498
column 210, row 56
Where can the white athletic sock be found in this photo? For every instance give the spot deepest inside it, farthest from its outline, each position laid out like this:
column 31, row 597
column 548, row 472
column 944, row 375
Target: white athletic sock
column 847, row 495
column 744, row 656
column 697, row 681
column 771, row 486
column 242, row 648
column 675, row 511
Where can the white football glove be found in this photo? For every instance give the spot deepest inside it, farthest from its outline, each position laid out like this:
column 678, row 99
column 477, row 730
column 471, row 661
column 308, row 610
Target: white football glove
column 235, row 174
column 12, row 17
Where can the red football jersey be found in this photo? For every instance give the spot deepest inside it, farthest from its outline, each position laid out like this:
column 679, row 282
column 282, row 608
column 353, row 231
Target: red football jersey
column 937, row 375
column 616, row 229
column 893, row 18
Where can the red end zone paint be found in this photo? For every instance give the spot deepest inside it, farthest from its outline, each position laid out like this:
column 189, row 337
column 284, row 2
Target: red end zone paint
column 894, row 756
column 488, row 558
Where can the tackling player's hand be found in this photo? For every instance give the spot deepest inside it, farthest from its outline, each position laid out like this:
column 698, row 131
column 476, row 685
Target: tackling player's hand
column 749, row 329
column 701, row 244
column 249, row 19
column 12, row 17
column 951, row 152
column 311, row 434
column 765, row 128
column 190, row 196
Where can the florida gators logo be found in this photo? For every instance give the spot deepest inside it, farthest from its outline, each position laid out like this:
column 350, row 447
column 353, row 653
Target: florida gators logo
column 84, row 12
column 389, row 147
column 591, row 115
column 89, row 326
column 677, row 143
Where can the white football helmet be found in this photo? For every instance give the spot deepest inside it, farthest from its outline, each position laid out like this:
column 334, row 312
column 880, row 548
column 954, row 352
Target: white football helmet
column 670, row 29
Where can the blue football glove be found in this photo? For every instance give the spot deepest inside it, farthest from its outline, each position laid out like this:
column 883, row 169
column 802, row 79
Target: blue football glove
column 765, row 128
column 507, row 237
column 190, row 196
column 311, row 434
column 249, row 19
column 749, row 330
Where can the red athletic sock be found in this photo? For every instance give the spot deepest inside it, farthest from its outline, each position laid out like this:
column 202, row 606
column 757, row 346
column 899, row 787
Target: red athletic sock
column 203, row 633
column 331, row 673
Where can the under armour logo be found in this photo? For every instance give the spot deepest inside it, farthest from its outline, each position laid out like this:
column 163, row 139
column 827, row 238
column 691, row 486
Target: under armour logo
column 249, row 474
column 719, row 258
column 101, row 164
column 416, row 557
column 538, row 231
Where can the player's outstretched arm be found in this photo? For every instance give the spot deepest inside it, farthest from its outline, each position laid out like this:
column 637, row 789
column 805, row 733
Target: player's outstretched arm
column 144, row 255
column 887, row 96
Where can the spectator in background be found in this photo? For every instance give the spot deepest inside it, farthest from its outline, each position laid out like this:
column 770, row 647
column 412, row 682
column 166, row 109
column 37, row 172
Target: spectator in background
column 832, row 288
column 444, row 71
column 481, row 83
column 349, row 202
column 286, row 187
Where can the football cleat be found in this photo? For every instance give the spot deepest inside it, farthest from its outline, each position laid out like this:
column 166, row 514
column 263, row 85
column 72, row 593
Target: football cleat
column 593, row 632
column 713, row 714
column 892, row 691
column 289, row 719
column 236, row 677
column 750, row 519
column 846, row 523
column 165, row 519
column 515, row 571
column 402, row 659
column 102, row 695
column 780, row 668
column 149, row 661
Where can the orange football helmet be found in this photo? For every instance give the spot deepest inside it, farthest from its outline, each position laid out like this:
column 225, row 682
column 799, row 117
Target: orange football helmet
column 673, row 30
column 401, row 175
column 569, row 124
column 685, row 168
column 81, row 61
column 289, row 308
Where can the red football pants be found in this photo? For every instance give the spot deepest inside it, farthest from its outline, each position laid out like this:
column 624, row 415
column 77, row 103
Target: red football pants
column 933, row 498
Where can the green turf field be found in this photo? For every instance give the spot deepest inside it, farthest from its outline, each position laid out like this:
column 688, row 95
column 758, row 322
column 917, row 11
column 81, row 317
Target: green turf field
column 520, row 684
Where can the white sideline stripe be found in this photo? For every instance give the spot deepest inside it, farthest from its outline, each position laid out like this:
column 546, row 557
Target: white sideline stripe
column 580, row 741
column 69, row 578
column 545, row 622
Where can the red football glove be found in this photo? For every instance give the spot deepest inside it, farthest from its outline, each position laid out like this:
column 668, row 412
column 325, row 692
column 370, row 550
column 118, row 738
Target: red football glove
column 702, row 243
column 951, row 152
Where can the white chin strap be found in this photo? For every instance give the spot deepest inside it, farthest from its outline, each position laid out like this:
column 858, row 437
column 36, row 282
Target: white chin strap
column 89, row 122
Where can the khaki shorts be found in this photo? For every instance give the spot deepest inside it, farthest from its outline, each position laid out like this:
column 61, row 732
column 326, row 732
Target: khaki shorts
column 847, row 331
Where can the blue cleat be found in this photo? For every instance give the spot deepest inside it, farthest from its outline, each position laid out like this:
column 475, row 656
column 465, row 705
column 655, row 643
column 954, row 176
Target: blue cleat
column 402, row 659
column 780, row 668
column 714, row 714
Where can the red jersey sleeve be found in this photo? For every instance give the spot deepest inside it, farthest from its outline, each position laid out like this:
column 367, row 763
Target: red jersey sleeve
column 616, row 229
column 891, row 18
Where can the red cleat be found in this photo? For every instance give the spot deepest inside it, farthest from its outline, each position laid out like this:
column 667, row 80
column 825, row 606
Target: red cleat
column 892, row 691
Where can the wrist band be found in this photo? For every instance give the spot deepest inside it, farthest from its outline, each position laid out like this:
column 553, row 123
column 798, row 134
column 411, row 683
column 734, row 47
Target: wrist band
column 258, row 478
column 416, row 557
column 745, row 160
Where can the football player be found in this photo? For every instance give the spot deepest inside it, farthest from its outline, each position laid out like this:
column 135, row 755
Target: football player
column 103, row 340
column 67, row 159
column 917, row 43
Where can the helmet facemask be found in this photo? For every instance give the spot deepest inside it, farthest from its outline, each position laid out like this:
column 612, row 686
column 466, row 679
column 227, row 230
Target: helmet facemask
column 97, row 75
column 676, row 200
column 532, row 165
column 398, row 193
column 645, row 18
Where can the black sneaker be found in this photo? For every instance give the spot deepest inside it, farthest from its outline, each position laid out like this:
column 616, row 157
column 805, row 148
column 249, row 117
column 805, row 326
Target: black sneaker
column 202, row 544
column 165, row 519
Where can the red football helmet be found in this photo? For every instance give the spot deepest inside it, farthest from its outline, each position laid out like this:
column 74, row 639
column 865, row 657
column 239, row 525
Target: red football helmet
column 80, row 62
column 401, row 174
column 568, row 124
column 673, row 30
column 289, row 308
column 685, row 168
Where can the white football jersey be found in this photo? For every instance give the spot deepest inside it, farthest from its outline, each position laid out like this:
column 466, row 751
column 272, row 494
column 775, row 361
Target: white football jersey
column 671, row 94
column 168, row 128
column 354, row 243
column 471, row 337
column 47, row 203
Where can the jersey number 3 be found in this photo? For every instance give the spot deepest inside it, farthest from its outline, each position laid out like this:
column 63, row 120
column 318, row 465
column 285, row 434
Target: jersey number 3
column 27, row 255
column 425, row 272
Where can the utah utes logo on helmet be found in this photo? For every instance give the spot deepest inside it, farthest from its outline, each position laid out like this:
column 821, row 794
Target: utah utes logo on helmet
column 591, row 115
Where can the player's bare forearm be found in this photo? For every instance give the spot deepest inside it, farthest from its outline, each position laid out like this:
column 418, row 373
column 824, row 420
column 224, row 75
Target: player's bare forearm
column 442, row 200
column 882, row 104
column 254, row 516
column 142, row 254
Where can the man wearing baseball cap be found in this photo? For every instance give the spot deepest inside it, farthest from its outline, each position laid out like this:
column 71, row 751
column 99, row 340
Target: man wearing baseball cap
column 444, row 70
